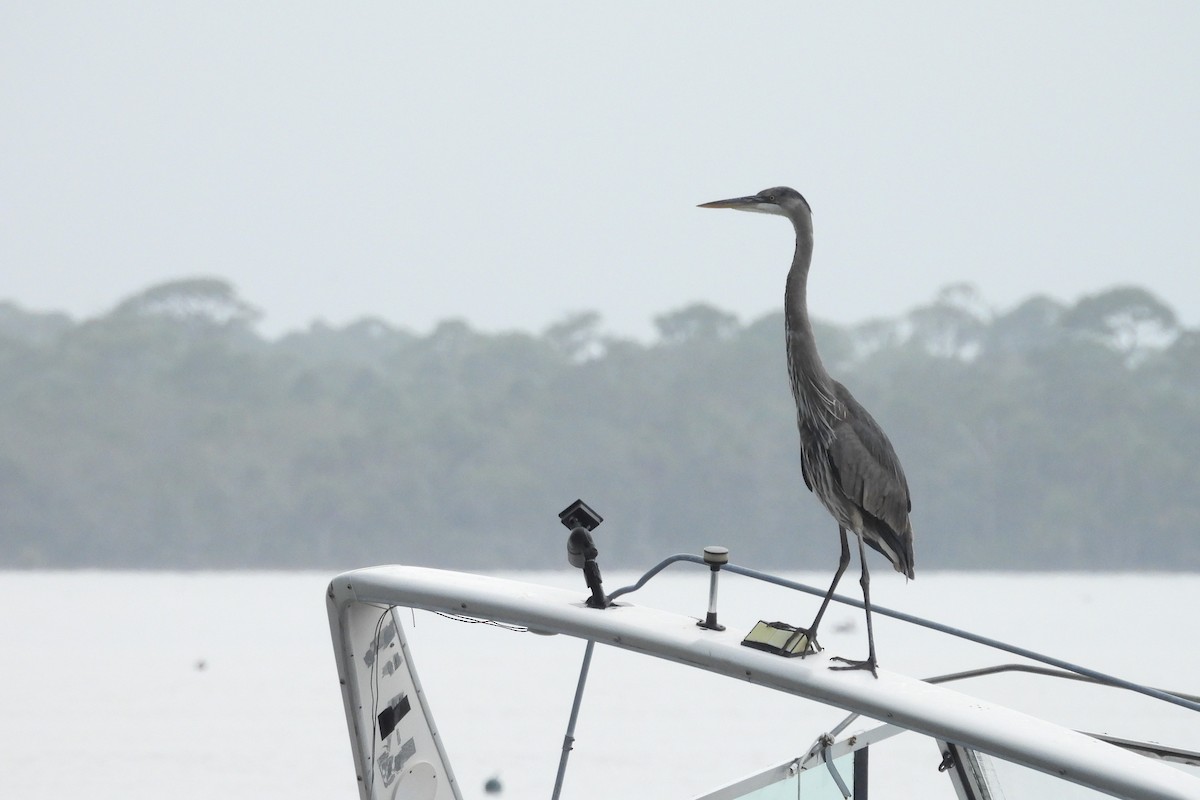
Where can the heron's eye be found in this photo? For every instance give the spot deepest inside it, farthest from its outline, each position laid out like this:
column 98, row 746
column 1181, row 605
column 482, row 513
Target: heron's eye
column 770, row 198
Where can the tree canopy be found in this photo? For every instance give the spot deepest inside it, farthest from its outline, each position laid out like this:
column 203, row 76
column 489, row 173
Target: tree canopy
column 168, row 433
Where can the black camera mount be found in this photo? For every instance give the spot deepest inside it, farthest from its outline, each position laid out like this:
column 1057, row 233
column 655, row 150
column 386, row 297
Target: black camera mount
column 581, row 549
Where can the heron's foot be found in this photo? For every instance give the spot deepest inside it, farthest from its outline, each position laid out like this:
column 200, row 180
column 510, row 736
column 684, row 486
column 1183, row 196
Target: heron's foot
column 811, row 646
column 850, row 664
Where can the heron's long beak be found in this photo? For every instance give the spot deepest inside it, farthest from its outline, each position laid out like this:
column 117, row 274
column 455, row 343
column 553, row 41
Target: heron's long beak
column 734, row 202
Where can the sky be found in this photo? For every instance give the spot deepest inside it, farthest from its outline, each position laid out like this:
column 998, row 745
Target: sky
column 512, row 163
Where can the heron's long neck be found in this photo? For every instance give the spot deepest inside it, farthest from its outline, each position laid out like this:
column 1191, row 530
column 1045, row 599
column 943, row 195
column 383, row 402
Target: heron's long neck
column 811, row 384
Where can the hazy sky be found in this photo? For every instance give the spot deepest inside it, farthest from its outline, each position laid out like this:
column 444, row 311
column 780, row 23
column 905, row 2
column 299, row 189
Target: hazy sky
column 509, row 163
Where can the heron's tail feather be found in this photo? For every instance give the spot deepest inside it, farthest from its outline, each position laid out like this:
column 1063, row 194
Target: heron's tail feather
column 896, row 548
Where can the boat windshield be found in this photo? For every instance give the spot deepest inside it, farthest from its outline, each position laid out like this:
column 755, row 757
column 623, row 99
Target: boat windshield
column 788, row 782
column 968, row 775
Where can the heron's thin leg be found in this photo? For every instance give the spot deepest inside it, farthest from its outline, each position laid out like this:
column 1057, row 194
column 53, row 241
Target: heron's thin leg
column 865, row 582
column 837, row 576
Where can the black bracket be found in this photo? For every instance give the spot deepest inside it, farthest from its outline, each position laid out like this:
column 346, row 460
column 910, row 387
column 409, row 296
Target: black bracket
column 581, row 549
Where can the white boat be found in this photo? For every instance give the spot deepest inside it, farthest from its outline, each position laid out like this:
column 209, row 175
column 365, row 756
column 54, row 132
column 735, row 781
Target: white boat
column 399, row 755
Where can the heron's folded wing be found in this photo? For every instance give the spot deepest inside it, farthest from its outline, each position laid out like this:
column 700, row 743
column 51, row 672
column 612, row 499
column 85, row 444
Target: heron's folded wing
column 867, row 466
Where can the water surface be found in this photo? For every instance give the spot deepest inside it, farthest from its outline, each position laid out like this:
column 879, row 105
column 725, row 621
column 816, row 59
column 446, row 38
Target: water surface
column 202, row 685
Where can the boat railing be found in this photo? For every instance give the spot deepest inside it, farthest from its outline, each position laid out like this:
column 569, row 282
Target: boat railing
column 1062, row 668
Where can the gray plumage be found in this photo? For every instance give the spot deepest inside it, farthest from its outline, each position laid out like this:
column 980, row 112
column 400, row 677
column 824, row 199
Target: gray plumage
column 846, row 458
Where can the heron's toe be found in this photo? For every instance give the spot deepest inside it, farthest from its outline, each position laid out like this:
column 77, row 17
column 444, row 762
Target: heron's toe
column 850, row 664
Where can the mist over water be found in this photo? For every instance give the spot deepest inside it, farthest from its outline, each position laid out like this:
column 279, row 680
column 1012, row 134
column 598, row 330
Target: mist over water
column 201, row 685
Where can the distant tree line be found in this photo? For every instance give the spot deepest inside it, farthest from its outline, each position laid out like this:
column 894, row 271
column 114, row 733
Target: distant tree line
column 168, row 433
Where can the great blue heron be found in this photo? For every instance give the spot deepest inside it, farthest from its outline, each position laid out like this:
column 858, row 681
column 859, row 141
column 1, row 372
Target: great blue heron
column 845, row 457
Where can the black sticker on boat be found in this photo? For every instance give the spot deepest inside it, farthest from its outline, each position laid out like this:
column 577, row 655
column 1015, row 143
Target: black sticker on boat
column 390, row 717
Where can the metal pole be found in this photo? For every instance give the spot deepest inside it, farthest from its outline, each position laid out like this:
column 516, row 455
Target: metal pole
column 569, row 739
column 712, row 597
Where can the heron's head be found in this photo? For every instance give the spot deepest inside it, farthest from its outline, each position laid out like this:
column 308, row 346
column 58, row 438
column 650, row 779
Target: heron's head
column 782, row 200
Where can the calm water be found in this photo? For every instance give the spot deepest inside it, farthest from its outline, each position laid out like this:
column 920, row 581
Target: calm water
column 144, row 685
